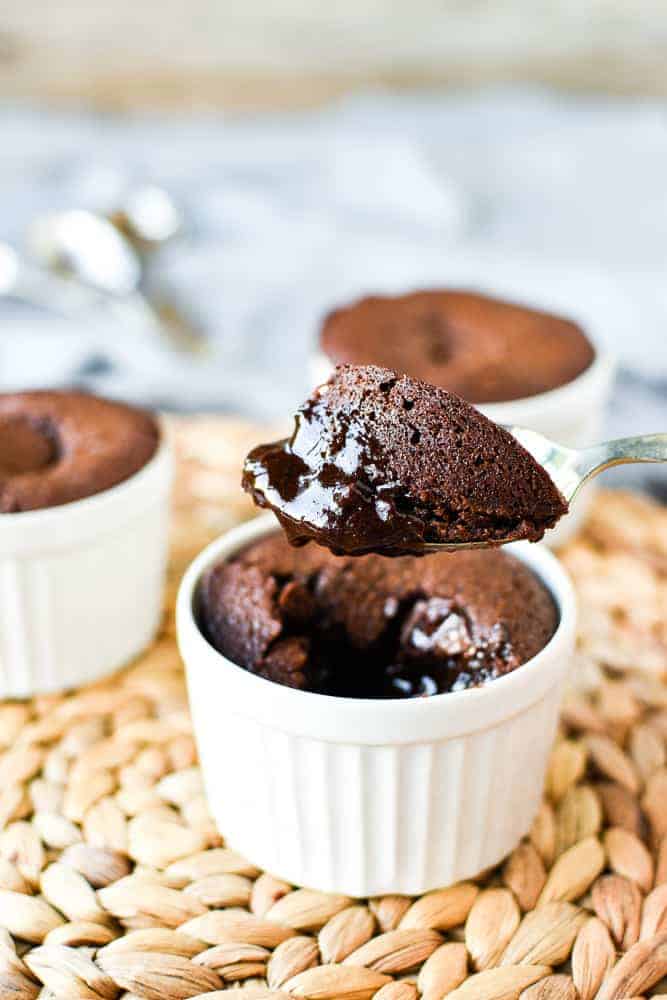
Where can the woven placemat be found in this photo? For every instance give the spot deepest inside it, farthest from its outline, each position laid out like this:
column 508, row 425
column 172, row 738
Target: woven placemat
column 115, row 883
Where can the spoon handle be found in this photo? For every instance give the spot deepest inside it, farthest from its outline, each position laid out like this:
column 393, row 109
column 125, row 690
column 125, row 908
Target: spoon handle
column 645, row 448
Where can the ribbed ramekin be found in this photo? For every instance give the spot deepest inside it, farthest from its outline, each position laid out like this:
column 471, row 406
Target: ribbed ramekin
column 81, row 584
column 572, row 415
column 369, row 796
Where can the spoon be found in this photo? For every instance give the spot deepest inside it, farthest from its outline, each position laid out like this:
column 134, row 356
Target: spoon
column 81, row 245
column 149, row 217
column 87, row 248
column 570, row 469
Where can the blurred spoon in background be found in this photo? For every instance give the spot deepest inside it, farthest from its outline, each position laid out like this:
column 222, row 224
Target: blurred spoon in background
column 149, row 217
column 78, row 244
column 86, row 248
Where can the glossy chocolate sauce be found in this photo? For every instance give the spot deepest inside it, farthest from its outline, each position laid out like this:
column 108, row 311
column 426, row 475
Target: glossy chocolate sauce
column 325, row 485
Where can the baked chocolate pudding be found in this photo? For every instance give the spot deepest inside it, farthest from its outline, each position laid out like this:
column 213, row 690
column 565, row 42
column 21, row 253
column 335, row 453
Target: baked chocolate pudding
column 380, row 462
column 372, row 627
column 483, row 349
column 56, row 447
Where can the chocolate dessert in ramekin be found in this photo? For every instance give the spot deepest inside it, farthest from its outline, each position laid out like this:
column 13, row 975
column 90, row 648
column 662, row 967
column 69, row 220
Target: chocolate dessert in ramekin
column 369, row 725
column 481, row 348
column 84, row 496
column 372, row 627
column 58, row 447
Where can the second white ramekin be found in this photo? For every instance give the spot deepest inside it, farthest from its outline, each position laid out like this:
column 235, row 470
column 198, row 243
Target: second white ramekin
column 81, row 584
column 369, row 797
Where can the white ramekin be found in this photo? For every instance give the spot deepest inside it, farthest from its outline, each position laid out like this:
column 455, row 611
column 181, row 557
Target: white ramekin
column 367, row 796
column 572, row 415
column 81, row 584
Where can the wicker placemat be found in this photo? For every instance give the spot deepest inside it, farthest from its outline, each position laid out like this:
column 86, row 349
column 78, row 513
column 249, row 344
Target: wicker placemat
column 113, row 878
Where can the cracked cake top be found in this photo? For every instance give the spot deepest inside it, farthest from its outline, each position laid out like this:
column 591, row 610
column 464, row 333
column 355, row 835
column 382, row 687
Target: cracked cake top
column 484, row 349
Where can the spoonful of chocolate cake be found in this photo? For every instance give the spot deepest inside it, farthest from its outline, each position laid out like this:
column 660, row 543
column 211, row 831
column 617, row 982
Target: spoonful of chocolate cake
column 381, row 462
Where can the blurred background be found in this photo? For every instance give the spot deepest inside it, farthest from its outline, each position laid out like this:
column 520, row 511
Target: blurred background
column 272, row 159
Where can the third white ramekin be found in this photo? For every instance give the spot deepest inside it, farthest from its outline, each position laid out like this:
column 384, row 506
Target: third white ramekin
column 81, row 584
column 368, row 796
column 572, row 415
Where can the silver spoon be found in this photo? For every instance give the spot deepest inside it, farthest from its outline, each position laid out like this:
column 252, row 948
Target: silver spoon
column 23, row 280
column 149, row 217
column 87, row 248
column 84, row 246
column 570, row 469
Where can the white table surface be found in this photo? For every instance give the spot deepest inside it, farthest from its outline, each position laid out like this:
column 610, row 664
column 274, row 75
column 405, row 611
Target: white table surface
column 554, row 200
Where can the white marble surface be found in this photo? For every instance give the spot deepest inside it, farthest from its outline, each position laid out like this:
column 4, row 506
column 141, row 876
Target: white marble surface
column 550, row 199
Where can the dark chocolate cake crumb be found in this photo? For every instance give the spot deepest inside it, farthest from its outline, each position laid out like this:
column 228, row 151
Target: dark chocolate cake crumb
column 385, row 463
